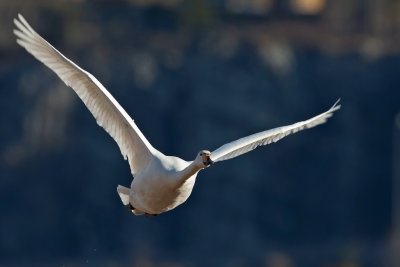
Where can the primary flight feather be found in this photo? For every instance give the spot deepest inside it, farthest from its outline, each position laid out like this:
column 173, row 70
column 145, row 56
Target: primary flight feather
column 160, row 182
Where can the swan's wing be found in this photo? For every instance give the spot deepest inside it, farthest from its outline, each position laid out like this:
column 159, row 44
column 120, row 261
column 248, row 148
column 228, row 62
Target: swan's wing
column 250, row 142
column 106, row 110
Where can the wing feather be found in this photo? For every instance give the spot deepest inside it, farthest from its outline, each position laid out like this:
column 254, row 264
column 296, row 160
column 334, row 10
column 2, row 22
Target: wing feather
column 106, row 110
column 248, row 143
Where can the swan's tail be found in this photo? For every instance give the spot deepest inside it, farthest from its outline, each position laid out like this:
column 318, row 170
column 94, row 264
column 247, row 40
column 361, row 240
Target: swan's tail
column 123, row 193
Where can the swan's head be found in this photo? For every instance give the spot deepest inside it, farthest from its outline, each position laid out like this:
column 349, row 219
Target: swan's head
column 203, row 158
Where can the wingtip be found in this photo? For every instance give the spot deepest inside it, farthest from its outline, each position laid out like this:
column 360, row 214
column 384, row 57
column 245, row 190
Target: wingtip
column 16, row 32
column 22, row 23
column 337, row 102
column 18, row 18
column 20, row 42
column 21, row 18
column 336, row 106
column 17, row 22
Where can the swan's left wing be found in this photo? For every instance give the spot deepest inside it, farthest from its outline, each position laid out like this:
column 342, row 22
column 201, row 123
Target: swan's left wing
column 250, row 142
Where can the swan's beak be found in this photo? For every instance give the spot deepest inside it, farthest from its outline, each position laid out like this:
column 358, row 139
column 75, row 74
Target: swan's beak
column 208, row 161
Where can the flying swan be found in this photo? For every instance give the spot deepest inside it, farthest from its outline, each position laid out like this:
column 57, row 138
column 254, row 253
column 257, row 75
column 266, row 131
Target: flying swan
column 160, row 182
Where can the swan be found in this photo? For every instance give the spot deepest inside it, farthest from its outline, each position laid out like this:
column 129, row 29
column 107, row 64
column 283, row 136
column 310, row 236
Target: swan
column 161, row 183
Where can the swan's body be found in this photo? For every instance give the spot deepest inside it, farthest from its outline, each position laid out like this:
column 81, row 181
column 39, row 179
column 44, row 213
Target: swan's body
column 161, row 182
column 152, row 196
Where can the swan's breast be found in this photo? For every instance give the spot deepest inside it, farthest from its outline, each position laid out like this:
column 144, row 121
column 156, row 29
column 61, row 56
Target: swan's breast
column 158, row 189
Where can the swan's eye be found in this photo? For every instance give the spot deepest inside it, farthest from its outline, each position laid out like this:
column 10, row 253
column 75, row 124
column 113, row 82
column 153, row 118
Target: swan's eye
column 201, row 154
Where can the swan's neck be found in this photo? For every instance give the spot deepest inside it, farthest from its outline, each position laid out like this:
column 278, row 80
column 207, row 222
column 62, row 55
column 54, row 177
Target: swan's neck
column 189, row 171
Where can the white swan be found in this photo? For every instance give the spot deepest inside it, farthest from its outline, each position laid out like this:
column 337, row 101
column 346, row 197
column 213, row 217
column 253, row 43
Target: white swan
column 160, row 182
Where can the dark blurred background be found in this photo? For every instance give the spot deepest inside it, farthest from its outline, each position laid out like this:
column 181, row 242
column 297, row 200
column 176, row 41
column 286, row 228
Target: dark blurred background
column 195, row 75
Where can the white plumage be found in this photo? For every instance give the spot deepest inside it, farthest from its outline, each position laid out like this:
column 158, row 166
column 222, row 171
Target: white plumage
column 248, row 143
column 161, row 182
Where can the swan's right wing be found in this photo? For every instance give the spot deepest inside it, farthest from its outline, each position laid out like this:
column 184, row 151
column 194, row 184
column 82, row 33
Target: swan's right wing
column 106, row 110
column 250, row 142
